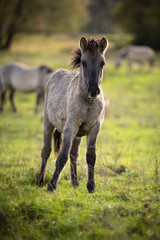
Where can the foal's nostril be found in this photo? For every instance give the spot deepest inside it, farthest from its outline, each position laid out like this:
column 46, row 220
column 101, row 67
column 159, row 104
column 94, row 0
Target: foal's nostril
column 98, row 91
column 93, row 91
column 93, row 94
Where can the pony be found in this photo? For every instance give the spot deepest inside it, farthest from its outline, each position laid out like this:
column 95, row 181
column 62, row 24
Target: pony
column 139, row 54
column 18, row 77
column 74, row 107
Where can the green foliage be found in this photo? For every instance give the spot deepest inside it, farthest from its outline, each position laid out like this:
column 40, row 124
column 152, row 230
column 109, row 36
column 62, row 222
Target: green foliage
column 40, row 16
column 126, row 202
column 54, row 16
column 141, row 18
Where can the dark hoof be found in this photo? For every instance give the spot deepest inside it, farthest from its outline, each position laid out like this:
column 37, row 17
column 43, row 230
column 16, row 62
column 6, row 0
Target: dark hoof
column 40, row 182
column 91, row 187
column 75, row 184
column 51, row 187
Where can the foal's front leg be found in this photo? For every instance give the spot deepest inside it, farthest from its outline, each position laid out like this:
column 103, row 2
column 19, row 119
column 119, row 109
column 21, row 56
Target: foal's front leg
column 69, row 134
column 73, row 157
column 46, row 150
column 91, row 156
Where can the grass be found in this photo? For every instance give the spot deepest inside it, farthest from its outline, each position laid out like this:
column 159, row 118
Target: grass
column 126, row 202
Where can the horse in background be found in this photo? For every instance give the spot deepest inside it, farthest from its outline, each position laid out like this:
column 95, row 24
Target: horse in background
column 18, row 77
column 75, row 106
column 136, row 54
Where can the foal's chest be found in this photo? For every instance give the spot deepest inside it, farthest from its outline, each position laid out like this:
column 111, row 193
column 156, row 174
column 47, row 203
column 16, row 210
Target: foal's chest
column 92, row 115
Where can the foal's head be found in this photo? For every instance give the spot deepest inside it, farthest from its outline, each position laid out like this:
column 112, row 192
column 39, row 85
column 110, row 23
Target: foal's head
column 90, row 58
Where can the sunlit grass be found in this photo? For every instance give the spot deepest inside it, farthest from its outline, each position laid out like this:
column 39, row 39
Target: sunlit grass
column 126, row 202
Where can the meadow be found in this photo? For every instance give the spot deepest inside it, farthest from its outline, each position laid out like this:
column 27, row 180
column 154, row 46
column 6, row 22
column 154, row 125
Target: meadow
column 126, row 204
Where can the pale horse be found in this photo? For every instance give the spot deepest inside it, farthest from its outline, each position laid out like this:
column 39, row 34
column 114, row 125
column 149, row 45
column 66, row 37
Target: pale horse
column 22, row 78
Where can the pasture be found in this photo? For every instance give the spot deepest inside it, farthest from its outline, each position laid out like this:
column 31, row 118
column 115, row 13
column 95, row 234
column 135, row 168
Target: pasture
column 126, row 202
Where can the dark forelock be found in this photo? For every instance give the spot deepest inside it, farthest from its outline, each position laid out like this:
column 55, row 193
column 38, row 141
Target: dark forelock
column 92, row 47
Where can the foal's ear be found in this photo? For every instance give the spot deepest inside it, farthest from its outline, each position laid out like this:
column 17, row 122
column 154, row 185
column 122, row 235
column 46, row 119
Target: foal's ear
column 103, row 45
column 83, row 44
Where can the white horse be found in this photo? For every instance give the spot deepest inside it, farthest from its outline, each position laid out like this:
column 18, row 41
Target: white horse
column 18, row 77
column 139, row 54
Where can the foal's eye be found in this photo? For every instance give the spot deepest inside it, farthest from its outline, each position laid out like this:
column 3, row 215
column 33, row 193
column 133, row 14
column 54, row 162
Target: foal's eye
column 84, row 64
column 102, row 63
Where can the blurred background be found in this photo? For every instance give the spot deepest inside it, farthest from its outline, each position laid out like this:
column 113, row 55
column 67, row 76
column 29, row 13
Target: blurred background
column 139, row 18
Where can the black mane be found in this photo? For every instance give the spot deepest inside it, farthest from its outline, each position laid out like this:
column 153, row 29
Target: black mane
column 92, row 46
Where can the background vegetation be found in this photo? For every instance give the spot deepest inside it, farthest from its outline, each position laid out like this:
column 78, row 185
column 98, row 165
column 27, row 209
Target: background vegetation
column 141, row 18
column 126, row 202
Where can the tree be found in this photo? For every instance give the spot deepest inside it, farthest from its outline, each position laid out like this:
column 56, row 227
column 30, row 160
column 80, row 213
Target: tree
column 8, row 14
column 40, row 16
column 101, row 17
column 142, row 19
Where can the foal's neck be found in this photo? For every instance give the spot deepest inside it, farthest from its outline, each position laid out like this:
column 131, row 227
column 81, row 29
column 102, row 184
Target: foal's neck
column 83, row 90
column 82, row 86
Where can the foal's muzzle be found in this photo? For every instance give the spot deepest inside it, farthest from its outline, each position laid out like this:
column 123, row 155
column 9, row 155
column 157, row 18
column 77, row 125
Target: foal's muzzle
column 93, row 95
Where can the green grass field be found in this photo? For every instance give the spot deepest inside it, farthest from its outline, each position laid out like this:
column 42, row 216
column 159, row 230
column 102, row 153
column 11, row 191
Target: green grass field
column 126, row 204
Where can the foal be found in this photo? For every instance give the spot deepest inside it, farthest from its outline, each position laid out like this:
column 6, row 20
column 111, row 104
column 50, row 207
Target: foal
column 74, row 106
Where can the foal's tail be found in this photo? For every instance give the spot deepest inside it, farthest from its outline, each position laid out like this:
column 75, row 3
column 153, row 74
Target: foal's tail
column 57, row 141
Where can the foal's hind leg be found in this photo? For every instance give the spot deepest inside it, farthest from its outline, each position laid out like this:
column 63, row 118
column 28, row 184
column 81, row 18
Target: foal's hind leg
column 46, row 150
column 91, row 156
column 11, row 97
column 69, row 133
column 73, row 157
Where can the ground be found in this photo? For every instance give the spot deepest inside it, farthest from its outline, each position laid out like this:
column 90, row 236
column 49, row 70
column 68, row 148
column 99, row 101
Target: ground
column 126, row 202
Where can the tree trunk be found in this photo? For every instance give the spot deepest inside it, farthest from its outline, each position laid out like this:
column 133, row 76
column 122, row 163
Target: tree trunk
column 7, row 37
